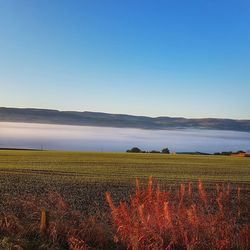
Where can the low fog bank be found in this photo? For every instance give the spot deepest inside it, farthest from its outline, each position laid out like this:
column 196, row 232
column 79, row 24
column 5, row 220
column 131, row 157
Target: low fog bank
column 87, row 138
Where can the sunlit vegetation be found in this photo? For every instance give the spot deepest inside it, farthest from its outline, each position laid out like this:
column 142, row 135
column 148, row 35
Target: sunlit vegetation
column 124, row 166
column 188, row 217
column 56, row 200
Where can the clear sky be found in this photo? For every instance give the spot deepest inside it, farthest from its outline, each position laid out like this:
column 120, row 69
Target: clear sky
column 173, row 58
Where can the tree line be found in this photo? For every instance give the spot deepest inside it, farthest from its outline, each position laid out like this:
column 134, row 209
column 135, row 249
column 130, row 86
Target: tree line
column 138, row 150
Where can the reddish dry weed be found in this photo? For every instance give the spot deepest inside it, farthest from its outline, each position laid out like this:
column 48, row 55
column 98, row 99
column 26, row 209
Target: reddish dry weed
column 155, row 219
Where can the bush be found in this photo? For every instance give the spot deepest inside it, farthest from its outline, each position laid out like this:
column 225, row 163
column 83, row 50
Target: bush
column 165, row 151
column 155, row 219
column 154, row 152
column 134, row 150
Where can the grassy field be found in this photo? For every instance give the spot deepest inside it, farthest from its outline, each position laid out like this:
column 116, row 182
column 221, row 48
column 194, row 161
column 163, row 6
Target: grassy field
column 125, row 166
column 30, row 179
column 84, row 177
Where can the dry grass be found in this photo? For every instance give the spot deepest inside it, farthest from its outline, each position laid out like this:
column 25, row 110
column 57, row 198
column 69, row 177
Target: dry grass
column 189, row 219
column 50, row 223
column 186, row 218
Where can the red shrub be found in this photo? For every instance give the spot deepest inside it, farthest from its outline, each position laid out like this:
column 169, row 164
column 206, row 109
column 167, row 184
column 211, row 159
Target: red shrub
column 155, row 219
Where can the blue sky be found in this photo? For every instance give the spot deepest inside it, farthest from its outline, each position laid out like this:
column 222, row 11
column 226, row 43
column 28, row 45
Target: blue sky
column 171, row 58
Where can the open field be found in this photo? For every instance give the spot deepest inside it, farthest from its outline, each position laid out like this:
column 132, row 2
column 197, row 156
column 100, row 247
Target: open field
column 30, row 180
column 85, row 177
column 125, row 166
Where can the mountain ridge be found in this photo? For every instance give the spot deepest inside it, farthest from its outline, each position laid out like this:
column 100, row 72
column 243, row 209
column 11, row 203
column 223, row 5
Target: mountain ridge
column 88, row 118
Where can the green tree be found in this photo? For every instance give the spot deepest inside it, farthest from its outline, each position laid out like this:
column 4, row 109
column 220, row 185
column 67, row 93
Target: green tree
column 165, row 151
column 134, row 150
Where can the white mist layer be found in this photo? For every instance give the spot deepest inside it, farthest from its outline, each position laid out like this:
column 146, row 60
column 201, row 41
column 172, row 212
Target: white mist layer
column 88, row 138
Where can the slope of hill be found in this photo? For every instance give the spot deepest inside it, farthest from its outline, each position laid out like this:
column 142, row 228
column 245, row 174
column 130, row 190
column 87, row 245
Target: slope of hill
column 117, row 120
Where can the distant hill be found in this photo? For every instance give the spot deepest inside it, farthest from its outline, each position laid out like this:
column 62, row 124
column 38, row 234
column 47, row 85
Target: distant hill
column 117, row 120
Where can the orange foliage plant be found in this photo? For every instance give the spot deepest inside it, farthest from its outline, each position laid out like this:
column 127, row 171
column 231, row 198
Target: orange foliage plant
column 187, row 219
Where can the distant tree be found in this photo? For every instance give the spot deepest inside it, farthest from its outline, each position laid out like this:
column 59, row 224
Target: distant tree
column 217, row 153
column 240, row 152
column 226, row 153
column 165, row 151
column 134, row 150
column 154, row 152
